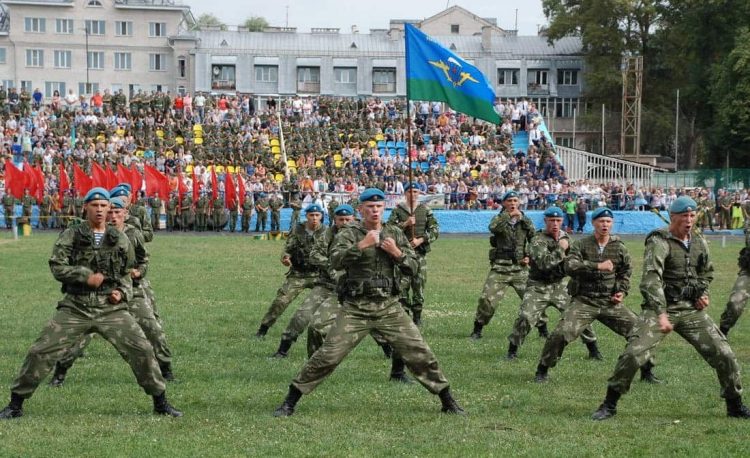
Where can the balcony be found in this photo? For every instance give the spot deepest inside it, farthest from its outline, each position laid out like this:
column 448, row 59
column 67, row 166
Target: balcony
column 383, row 88
column 537, row 89
column 223, row 85
column 308, row 87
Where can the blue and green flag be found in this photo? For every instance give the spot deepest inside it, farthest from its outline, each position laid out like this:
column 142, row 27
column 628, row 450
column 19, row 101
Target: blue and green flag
column 435, row 73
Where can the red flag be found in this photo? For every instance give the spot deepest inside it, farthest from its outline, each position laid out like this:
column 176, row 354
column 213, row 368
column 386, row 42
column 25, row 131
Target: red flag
column 39, row 194
column 30, row 179
column 98, row 176
column 155, row 182
column 14, row 180
column 181, row 187
column 123, row 175
column 230, row 193
column 111, row 178
column 136, row 180
column 214, row 184
column 81, row 182
column 196, row 187
column 241, row 185
column 63, row 184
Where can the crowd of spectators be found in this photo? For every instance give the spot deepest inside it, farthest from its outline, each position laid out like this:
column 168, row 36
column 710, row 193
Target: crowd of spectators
column 333, row 145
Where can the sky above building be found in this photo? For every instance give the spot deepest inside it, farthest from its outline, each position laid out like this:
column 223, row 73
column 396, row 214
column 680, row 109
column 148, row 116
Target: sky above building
column 366, row 15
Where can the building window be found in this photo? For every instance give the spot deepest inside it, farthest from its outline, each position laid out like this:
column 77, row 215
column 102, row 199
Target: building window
column 567, row 77
column 537, row 82
column 157, row 62
column 182, row 90
column 2, row 55
column 64, row 26
column 383, row 80
column 123, row 61
column 454, row 28
column 223, row 77
column 63, row 59
column 564, row 107
column 95, row 60
column 566, row 142
column 159, row 88
column 35, row 24
column 345, row 75
column 157, row 29
column 308, row 79
column 93, row 87
column 7, row 84
column 26, row 85
column 34, row 58
column 181, row 67
column 266, row 73
column 124, row 28
column 95, row 27
column 94, row 3
column 507, row 77
column 51, row 86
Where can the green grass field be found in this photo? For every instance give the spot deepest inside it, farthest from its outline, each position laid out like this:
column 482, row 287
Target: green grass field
column 212, row 292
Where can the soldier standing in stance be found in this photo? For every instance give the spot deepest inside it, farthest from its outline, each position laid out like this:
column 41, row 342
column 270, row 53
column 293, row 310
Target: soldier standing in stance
column 247, row 211
column 296, row 206
column 741, row 290
column 370, row 252
column 545, row 287
column 91, row 261
column 302, row 273
column 186, row 211
column 676, row 274
column 600, row 269
column 275, row 204
column 155, row 204
column 421, row 228
column 201, row 213
column 509, row 259
column 172, row 212
column 261, row 212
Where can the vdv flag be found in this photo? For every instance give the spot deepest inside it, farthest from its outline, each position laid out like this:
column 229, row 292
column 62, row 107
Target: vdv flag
column 435, row 73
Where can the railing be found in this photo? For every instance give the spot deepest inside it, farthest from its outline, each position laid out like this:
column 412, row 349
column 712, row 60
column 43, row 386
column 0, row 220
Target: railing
column 580, row 165
column 383, row 88
column 308, row 86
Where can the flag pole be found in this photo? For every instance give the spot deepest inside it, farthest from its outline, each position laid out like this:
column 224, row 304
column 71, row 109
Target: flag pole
column 282, row 144
column 408, row 126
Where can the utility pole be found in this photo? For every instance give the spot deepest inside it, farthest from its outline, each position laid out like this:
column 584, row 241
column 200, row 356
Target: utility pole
column 676, row 130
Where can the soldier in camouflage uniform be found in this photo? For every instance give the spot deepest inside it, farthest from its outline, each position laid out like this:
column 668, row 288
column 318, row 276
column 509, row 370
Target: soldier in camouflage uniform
column 186, row 211
column 296, row 206
column 91, row 261
column 545, row 287
column 707, row 214
column 275, row 204
column 511, row 233
column 600, row 269
column 201, row 213
column 332, row 210
column 217, row 212
column 68, row 210
column 27, row 205
column 233, row 207
column 421, row 228
column 247, row 211
column 45, row 212
column 677, row 272
column 261, row 212
column 370, row 253
column 741, row 289
column 172, row 205
column 9, row 204
column 302, row 273
column 155, row 204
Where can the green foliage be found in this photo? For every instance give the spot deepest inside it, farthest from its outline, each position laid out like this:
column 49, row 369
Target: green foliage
column 256, row 23
column 212, row 292
column 208, row 20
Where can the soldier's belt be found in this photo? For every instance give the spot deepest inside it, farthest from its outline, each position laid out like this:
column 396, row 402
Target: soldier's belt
column 85, row 291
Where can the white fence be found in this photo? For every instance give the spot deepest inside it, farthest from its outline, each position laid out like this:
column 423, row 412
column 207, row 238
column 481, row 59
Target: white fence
column 580, row 165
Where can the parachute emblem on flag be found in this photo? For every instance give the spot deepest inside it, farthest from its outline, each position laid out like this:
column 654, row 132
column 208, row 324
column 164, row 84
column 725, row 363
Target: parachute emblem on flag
column 454, row 72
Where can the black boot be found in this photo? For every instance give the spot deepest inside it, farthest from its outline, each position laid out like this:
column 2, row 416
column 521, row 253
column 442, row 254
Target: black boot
column 162, row 407
column 283, row 350
column 398, row 373
column 647, row 374
column 477, row 333
column 387, row 350
column 725, row 330
column 735, row 408
column 512, row 352
column 416, row 317
column 449, row 404
column 543, row 332
column 608, row 409
column 262, row 330
column 58, row 378
column 594, row 352
column 166, row 371
column 541, row 375
column 14, row 408
column 286, row 409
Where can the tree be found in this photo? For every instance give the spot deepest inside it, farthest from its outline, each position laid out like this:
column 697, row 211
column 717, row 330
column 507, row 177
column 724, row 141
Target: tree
column 208, row 20
column 256, row 23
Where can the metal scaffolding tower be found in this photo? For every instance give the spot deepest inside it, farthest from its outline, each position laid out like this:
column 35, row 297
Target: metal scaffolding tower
column 632, row 85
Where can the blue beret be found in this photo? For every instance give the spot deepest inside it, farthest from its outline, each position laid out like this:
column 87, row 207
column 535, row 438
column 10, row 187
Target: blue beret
column 553, row 212
column 126, row 186
column 601, row 212
column 262, row 194
column 509, row 194
column 372, row 195
column 344, row 210
column 683, row 204
column 314, row 208
column 117, row 202
column 410, row 186
column 118, row 191
column 96, row 194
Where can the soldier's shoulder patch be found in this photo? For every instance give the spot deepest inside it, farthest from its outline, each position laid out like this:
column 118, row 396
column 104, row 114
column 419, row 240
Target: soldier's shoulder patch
column 661, row 234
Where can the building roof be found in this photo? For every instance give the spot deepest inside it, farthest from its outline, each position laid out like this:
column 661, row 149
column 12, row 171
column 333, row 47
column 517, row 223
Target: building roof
column 378, row 44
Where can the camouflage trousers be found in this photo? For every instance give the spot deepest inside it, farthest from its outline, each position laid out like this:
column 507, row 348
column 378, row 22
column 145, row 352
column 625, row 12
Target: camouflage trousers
column 698, row 329
column 352, row 325
column 246, row 216
column 275, row 221
column 536, row 300
column 201, row 221
column 737, row 300
column 293, row 285
column 155, row 219
column 260, row 221
column 295, row 220
column 187, row 217
column 233, row 221
column 171, row 218
column 577, row 318
column 494, row 290
column 8, row 217
column 304, row 313
column 77, row 316
column 416, row 284
column 216, row 218
column 140, row 307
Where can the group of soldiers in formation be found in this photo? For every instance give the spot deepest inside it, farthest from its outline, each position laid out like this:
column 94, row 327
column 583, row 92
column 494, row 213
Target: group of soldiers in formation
column 368, row 276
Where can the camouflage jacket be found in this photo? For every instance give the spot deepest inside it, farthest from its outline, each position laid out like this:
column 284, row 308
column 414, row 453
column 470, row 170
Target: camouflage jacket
column 509, row 241
column 298, row 247
column 546, row 258
column 140, row 212
column 426, row 225
column 582, row 264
